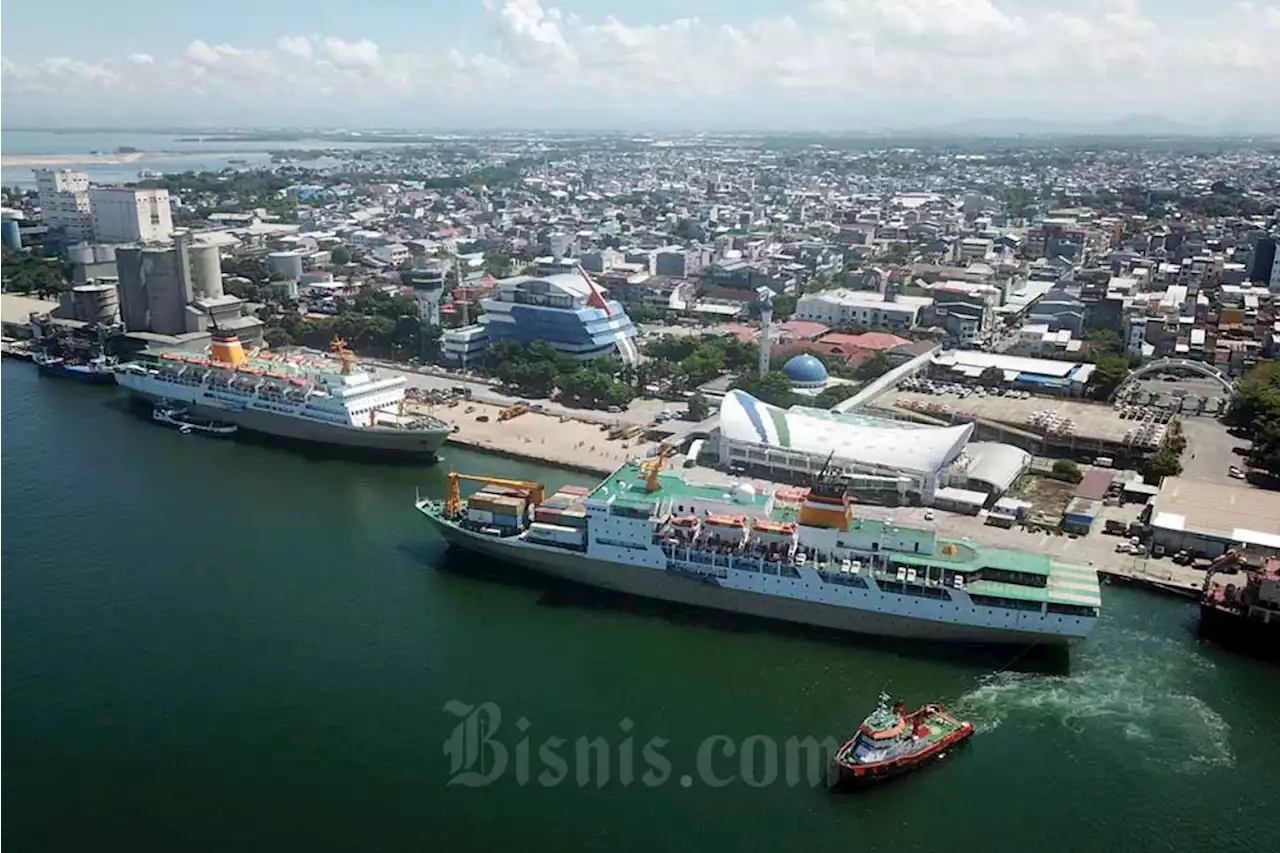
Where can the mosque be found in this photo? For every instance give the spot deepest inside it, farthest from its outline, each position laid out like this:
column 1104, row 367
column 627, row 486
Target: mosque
column 808, row 375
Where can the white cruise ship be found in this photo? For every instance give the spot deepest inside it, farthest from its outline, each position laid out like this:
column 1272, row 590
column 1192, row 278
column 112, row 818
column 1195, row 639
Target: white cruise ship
column 800, row 555
column 296, row 398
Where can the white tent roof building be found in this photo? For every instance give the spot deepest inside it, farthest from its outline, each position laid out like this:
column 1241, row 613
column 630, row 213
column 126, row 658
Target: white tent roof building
column 875, row 453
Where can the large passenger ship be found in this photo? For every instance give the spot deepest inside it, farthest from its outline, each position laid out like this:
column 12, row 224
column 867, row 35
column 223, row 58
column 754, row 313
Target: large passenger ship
column 298, row 398
column 799, row 555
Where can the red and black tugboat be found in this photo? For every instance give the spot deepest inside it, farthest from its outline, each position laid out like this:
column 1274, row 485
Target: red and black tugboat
column 891, row 742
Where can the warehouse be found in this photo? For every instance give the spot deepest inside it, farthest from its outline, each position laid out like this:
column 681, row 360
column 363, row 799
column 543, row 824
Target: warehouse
column 1210, row 518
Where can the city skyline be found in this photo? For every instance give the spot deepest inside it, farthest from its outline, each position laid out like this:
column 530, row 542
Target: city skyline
column 853, row 65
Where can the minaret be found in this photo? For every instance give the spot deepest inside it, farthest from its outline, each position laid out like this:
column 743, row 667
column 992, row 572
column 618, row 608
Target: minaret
column 764, row 300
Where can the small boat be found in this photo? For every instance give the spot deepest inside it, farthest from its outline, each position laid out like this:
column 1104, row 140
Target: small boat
column 98, row 371
column 187, row 423
column 891, row 742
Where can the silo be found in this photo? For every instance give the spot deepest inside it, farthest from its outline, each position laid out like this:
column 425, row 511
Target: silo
column 166, row 291
column 80, row 253
column 206, row 271
column 104, row 253
column 96, row 303
column 286, row 264
column 11, row 234
column 133, row 290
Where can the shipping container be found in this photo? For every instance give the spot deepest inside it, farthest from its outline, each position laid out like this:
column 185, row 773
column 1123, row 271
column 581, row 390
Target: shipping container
column 505, row 520
column 581, row 491
column 480, row 516
column 556, row 534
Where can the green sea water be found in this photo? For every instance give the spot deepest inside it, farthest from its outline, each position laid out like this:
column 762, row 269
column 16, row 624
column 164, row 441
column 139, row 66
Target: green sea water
column 214, row 645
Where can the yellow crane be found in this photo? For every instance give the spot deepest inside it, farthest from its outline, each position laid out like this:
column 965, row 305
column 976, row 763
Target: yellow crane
column 453, row 504
column 650, row 468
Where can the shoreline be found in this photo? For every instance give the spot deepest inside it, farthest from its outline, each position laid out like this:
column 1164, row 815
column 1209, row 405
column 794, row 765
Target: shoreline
column 519, row 456
column 13, row 161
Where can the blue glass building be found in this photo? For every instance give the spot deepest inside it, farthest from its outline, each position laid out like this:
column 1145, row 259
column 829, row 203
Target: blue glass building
column 563, row 310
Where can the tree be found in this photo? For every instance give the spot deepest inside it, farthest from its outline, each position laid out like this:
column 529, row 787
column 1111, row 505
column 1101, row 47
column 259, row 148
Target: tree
column 1067, row 470
column 498, row 263
column 699, row 407
column 784, row 305
column 1257, row 398
column 991, row 377
column 1163, row 464
column 873, row 368
column 833, row 395
column 774, row 388
column 339, row 256
column 1255, row 409
column 1104, row 339
column 1108, row 372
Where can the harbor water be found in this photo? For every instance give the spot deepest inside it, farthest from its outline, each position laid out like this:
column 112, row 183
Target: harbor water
column 216, row 645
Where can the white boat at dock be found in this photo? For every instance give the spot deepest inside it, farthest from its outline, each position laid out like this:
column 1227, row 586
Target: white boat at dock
column 187, row 423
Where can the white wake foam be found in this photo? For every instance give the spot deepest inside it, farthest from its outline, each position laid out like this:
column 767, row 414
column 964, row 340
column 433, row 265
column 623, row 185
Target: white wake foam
column 1136, row 691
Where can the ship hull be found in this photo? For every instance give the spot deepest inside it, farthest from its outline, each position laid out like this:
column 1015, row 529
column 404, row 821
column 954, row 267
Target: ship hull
column 1240, row 633
column 664, row 586
column 845, row 776
column 89, row 377
column 420, row 444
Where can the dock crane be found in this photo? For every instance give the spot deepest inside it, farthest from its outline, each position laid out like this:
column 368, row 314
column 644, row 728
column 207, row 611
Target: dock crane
column 650, row 468
column 453, row 504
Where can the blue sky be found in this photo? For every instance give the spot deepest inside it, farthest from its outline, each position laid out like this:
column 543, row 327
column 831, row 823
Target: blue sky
column 822, row 64
column 84, row 31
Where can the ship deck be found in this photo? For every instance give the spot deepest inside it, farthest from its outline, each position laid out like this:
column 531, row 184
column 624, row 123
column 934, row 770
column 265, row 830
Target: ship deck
column 1064, row 584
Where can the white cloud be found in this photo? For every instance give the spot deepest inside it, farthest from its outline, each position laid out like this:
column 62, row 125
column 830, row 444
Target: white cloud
column 835, row 63
column 299, row 46
column 201, row 54
column 359, row 54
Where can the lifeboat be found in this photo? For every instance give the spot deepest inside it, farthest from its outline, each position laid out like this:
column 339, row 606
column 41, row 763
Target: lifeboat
column 781, row 528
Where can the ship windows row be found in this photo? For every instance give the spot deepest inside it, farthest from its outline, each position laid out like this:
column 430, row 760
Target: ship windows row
column 1006, row 603
column 1073, row 610
column 618, row 543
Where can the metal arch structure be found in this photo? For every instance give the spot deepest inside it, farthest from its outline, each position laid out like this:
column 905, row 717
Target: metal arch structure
column 1164, row 365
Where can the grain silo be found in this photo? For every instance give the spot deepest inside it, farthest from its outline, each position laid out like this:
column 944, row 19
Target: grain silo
column 286, row 265
column 206, row 272
column 168, row 290
column 98, row 302
column 134, row 309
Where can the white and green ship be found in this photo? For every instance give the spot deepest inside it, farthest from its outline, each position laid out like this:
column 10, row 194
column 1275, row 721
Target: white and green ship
column 801, row 556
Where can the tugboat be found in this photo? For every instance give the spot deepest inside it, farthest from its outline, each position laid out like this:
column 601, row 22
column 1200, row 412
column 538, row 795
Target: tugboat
column 891, row 742
column 187, row 424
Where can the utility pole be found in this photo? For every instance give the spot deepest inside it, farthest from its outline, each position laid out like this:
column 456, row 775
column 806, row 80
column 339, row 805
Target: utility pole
column 466, row 304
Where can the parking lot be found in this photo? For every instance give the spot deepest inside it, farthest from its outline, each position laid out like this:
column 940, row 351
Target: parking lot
column 1190, row 397
column 1022, row 409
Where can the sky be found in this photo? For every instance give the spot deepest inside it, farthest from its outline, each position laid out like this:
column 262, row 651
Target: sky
column 638, row 64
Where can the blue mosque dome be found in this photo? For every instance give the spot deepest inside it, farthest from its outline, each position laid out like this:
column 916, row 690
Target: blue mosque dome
column 805, row 371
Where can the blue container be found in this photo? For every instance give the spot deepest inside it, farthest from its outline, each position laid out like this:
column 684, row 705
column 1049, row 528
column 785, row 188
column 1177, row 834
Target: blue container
column 505, row 520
